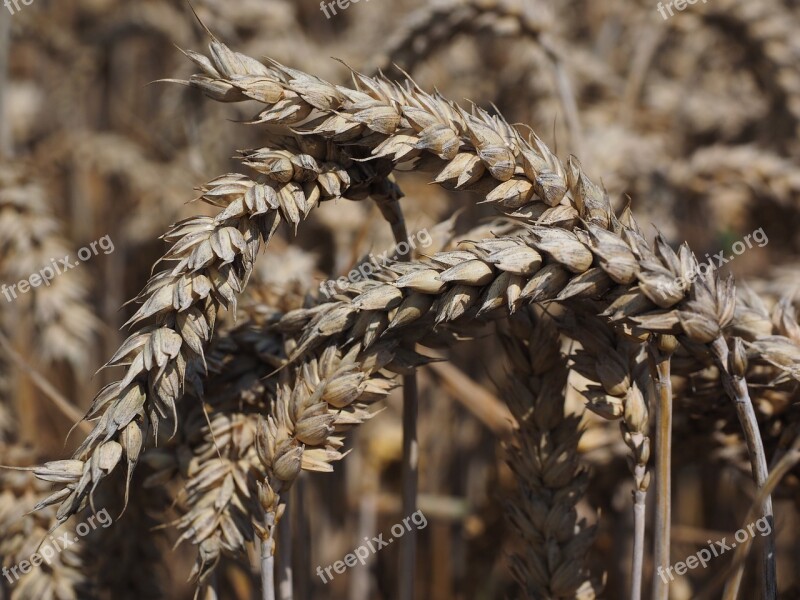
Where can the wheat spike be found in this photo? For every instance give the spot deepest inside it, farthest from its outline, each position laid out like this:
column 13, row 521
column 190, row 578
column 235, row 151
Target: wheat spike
column 766, row 30
column 66, row 577
column 544, row 458
column 31, row 239
column 211, row 261
column 439, row 23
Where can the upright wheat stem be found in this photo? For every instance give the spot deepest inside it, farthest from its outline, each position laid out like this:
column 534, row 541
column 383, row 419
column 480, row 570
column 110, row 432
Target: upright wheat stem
column 393, row 212
column 268, row 560
column 660, row 355
column 733, row 366
column 408, row 545
column 5, row 44
column 285, row 587
column 639, row 524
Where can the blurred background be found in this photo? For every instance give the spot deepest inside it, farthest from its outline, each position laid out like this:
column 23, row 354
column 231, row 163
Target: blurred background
column 691, row 120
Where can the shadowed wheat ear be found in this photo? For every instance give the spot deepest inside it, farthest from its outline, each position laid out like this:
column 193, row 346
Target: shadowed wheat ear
column 615, row 366
column 544, row 457
column 262, row 433
column 21, row 534
column 30, row 239
column 767, row 32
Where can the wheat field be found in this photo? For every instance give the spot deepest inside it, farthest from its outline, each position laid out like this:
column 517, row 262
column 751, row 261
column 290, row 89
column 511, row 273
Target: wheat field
column 462, row 299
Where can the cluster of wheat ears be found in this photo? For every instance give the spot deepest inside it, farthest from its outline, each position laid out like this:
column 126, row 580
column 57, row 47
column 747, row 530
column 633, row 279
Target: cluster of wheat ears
column 569, row 284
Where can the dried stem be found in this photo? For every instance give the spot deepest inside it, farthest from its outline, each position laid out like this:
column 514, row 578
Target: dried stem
column 480, row 402
column 660, row 355
column 268, row 556
column 58, row 400
column 779, row 470
column 408, row 545
column 285, row 587
column 390, row 207
column 639, row 524
column 5, row 44
column 733, row 366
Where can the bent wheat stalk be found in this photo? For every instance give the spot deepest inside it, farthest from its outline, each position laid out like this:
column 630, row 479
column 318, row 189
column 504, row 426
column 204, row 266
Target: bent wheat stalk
column 733, row 366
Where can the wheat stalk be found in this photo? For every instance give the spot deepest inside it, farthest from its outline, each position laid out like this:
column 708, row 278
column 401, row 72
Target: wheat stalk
column 660, row 356
column 5, row 44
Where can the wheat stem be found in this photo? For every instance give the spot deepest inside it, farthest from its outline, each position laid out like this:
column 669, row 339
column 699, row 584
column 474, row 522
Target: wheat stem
column 268, row 558
column 285, row 588
column 393, row 213
column 59, row 401
column 779, row 470
column 660, row 357
column 639, row 524
column 5, row 44
column 480, row 402
column 408, row 547
column 732, row 366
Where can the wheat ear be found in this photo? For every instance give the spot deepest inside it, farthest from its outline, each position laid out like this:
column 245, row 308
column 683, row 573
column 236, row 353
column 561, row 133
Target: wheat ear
column 616, row 367
column 767, row 31
column 211, row 261
column 543, row 455
column 21, row 535
column 32, row 238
